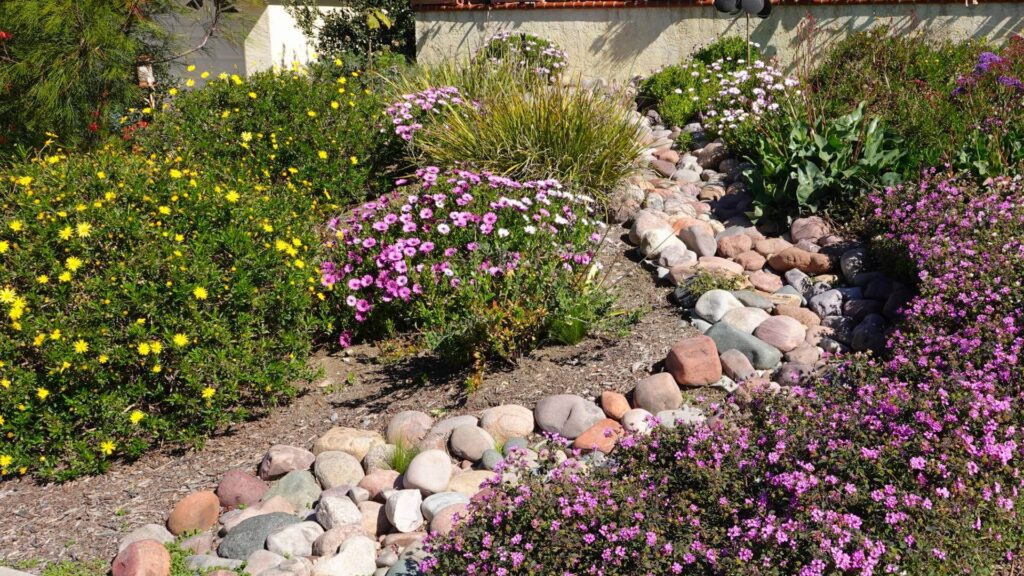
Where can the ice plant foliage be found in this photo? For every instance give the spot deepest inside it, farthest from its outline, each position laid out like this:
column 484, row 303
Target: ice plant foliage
column 452, row 249
column 909, row 465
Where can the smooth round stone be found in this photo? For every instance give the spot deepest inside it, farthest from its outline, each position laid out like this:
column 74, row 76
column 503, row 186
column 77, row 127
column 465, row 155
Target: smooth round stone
column 289, row 567
column 267, row 506
column 490, row 459
column 714, row 304
column 657, row 392
column 336, row 509
column 334, row 468
column 782, row 332
column 699, row 241
column 429, row 471
column 745, row 319
column 197, row 511
column 637, row 421
column 614, row 404
column 445, row 427
column 765, row 281
column 262, row 560
column 444, row 520
column 436, row 502
column 408, row 427
column 358, row 494
column 799, row 281
column 141, row 558
column 403, row 510
column 378, row 481
column 470, row 442
column 298, row 487
column 146, row 532
column 750, row 260
column 828, row 303
column 804, row 354
column 379, row 457
column 691, row 362
column 761, row 354
column 802, row 315
column 295, row 540
column 514, row 443
column 654, row 241
column 507, row 421
column 251, row 535
column 469, row 482
column 357, row 556
column 810, row 228
column 282, row 459
column 239, row 488
column 352, row 440
column 752, row 299
column 567, row 415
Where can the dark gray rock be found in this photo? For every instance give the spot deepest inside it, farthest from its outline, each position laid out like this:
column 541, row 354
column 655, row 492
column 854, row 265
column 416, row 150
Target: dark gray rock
column 251, row 535
column 761, row 354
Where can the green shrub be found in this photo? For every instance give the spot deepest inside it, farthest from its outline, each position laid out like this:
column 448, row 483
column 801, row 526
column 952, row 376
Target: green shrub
column 827, row 165
column 315, row 129
column 144, row 300
column 359, row 31
column 904, row 79
column 526, row 128
column 66, row 65
column 680, row 92
column 729, row 51
column 677, row 92
column 470, row 267
column 538, row 55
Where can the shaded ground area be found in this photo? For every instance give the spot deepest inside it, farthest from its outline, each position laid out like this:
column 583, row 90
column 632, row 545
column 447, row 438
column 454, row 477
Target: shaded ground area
column 85, row 518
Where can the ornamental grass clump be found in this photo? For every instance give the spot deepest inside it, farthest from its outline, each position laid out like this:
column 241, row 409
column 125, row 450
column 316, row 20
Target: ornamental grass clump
column 473, row 267
column 909, row 464
column 508, row 121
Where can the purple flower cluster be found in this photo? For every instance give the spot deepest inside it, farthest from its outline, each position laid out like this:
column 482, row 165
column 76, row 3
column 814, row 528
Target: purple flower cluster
column 909, row 465
column 407, row 113
column 444, row 233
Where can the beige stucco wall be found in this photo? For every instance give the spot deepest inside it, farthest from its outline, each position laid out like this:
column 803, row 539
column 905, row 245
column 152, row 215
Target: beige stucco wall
column 261, row 35
column 617, row 43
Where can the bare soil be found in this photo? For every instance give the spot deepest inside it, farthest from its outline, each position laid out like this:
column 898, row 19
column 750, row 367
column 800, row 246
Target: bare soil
column 84, row 519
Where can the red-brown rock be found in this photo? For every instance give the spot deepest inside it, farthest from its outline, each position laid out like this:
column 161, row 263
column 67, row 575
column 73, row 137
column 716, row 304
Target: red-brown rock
column 732, row 246
column 614, row 404
column 197, row 511
column 750, row 260
column 142, row 558
column 694, row 362
column 807, row 262
column 601, row 436
column 239, row 488
column 770, row 246
column 379, row 480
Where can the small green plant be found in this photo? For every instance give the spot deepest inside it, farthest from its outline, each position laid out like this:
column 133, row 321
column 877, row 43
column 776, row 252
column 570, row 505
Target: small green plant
column 401, row 457
column 824, row 165
column 695, row 286
column 728, row 51
column 74, row 568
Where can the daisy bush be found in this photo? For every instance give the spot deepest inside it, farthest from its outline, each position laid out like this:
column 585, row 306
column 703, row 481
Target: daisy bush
column 314, row 128
column 143, row 300
column 472, row 266
column 539, row 55
column 905, row 465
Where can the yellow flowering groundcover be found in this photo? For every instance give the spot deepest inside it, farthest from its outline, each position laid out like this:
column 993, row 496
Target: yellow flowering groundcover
column 153, row 291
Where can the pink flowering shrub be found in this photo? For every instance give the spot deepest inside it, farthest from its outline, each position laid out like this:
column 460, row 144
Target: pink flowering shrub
column 409, row 113
column 538, row 55
column 471, row 266
column 908, row 465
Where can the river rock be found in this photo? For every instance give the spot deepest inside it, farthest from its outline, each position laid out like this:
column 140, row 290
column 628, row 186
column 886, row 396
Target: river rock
column 408, row 427
column 298, row 487
column 295, row 540
column 713, row 304
column 657, row 392
column 239, row 488
column 335, row 468
column 507, row 421
column 470, row 442
column 692, row 362
column 567, row 415
column 356, row 557
column 429, row 471
column 282, row 459
column 352, row 440
column 251, row 535
column 403, row 510
column 761, row 354
column 782, row 332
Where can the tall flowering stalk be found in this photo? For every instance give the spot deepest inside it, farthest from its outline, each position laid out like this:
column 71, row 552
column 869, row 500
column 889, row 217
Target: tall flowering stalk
column 443, row 256
column 910, row 465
